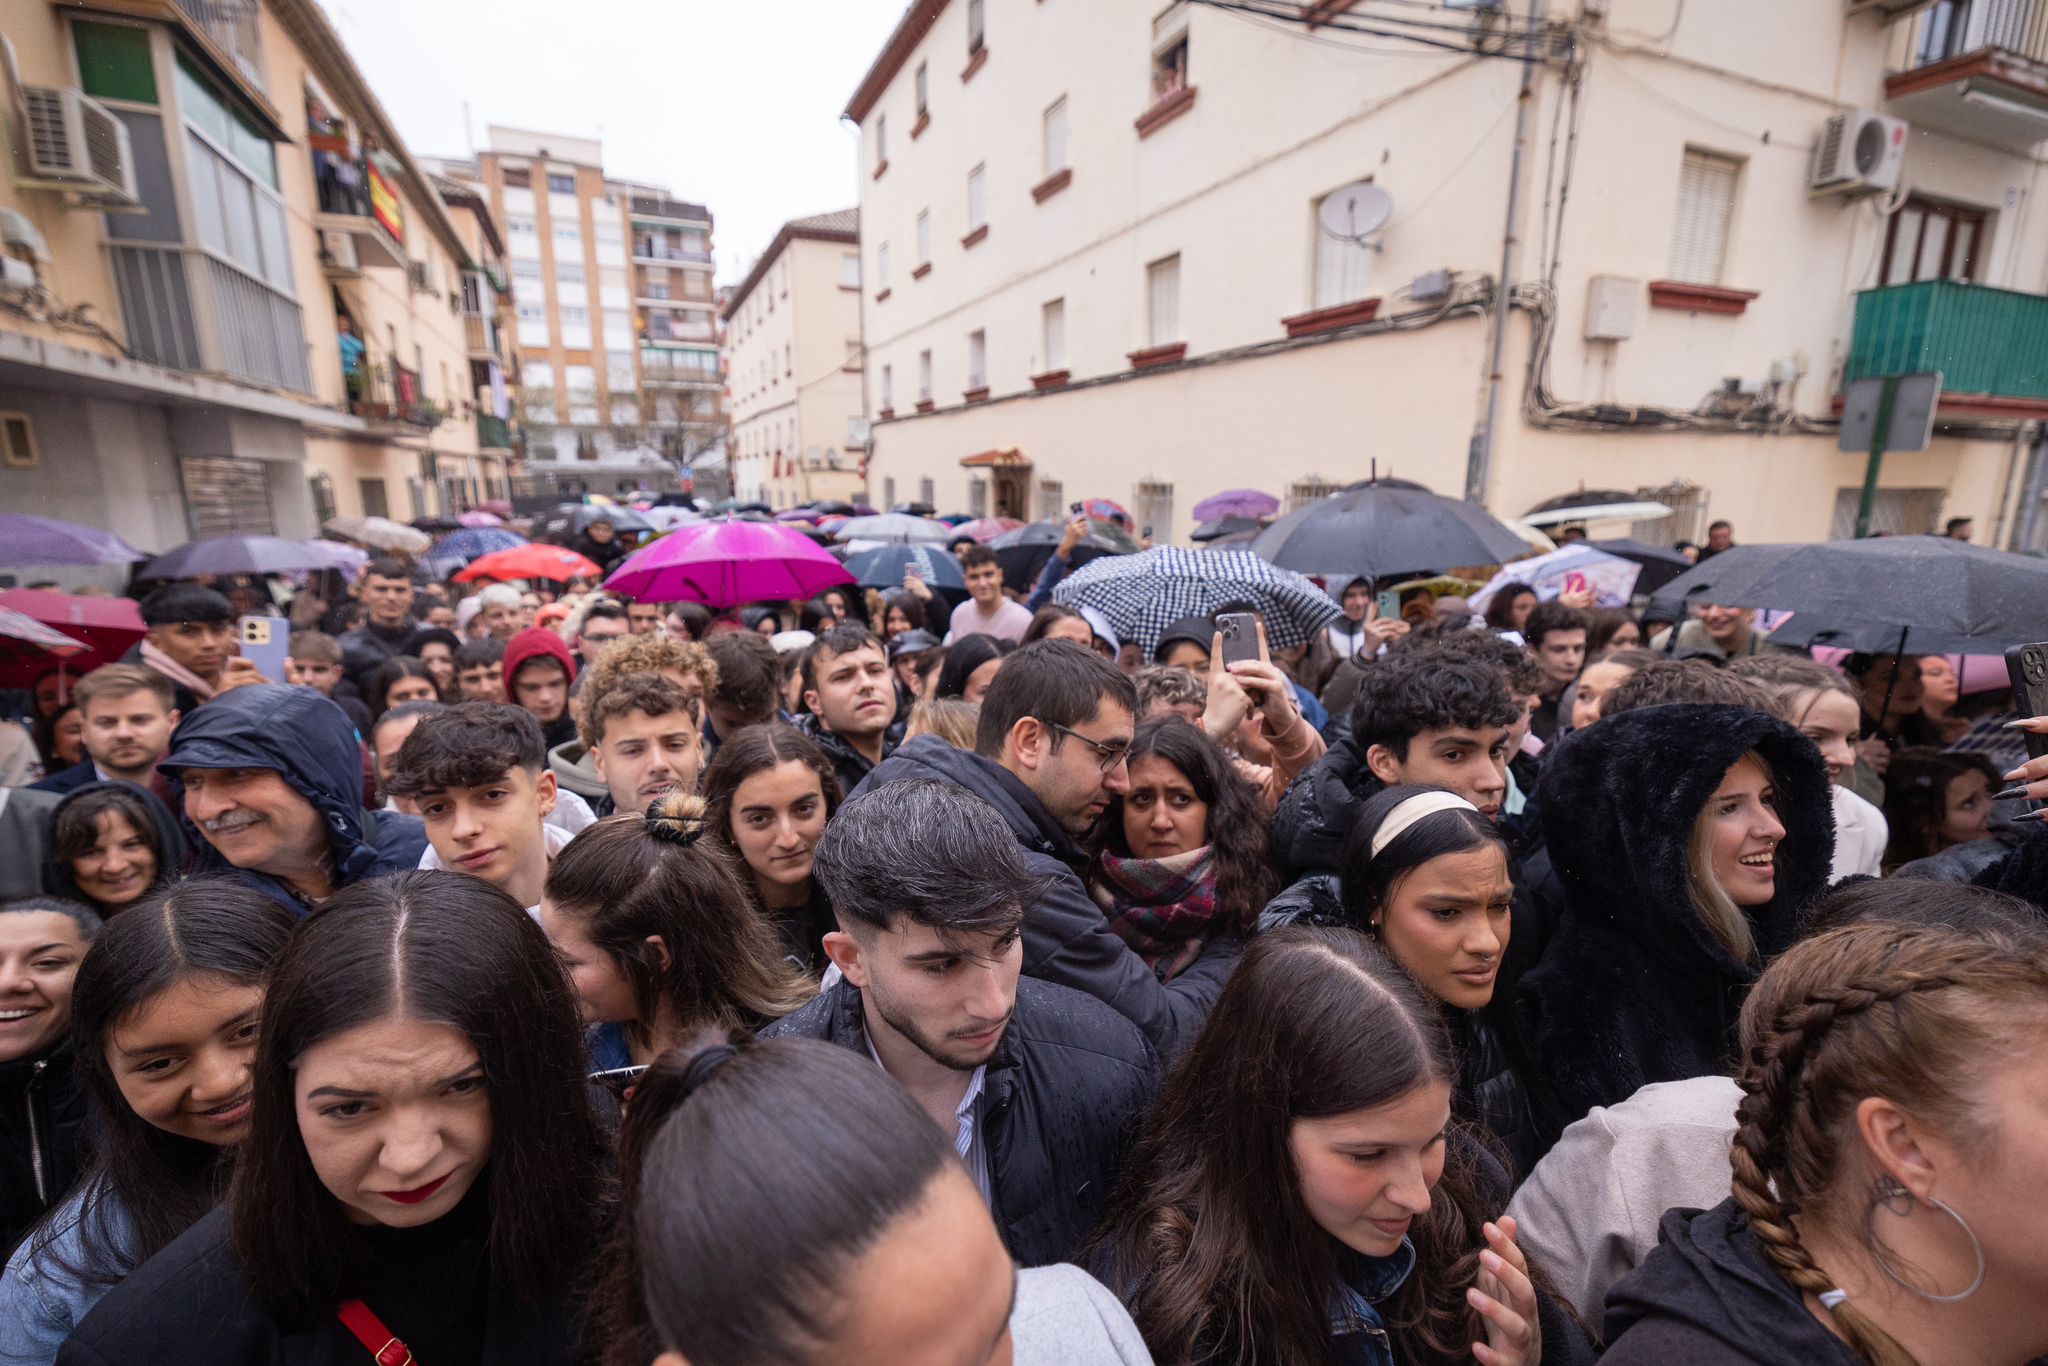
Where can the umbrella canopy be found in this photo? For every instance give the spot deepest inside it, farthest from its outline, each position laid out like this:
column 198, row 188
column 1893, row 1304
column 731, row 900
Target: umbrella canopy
column 1236, row 503
column 894, row 526
column 453, row 551
column 986, row 529
column 1383, row 530
column 434, row 524
column 1106, row 510
column 1022, row 553
column 380, row 533
column 346, row 558
column 799, row 515
column 501, row 506
column 1589, row 505
column 1216, row 528
column 1660, row 566
column 570, row 520
column 915, row 509
column 1915, row 594
column 883, row 566
column 735, row 505
column 1143, row 594
column 27, row 648
column 664, row 519
column 727, row 563
column 480, row 517
column 1612, row 579
column 237, row 555
column 836, row 506
column 558, row 564
column 106, row 626
column 46, row 540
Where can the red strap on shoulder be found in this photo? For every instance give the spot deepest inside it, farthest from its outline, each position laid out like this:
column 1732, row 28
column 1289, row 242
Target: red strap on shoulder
column 369, row 1330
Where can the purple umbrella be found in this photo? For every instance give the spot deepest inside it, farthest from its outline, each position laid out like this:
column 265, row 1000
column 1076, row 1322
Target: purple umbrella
column 1236, row 503
column 45, row 540
column 724, row 564
column 237, row 555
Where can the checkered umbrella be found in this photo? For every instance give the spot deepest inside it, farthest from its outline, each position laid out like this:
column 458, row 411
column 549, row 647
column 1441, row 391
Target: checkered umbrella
column 1142, row 594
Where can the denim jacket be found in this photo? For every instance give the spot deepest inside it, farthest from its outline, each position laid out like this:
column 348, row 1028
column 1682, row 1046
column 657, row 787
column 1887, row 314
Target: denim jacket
column 39, row 1303
column 1357, row 1335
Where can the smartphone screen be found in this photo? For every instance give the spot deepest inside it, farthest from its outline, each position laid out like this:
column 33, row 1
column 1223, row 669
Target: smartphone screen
column 264, row 642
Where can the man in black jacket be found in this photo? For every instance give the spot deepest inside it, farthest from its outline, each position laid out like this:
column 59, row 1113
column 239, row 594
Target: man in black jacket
column 1051, row 749
column 1036, row 1084
column 385, row 590
column 42, row 1115
column 851, row 701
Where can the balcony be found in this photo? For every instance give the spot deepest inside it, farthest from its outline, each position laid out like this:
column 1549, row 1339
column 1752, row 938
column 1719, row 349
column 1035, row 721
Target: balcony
column 493, row 433
column 389, row 397
column 1979, row 70
column 355, row 198
column 186, row 310
column 233, row 27
column 481, row 335
column 1991, row 345
column 660, row 209
column 646, row 252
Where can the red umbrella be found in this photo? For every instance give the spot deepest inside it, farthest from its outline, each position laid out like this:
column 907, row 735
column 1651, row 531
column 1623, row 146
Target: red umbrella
column 553, row 562
column 106, row 626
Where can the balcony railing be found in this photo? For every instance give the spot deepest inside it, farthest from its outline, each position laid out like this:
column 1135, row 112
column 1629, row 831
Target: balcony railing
column 1952, row 28
column 186, row 310
column 1986, row 341
column 381, row 392
column 646, row 206
column 645, row 250
column 233, row 26
column 493, row 433
column 341, row 188
column 481, row 334
column 1979, row 69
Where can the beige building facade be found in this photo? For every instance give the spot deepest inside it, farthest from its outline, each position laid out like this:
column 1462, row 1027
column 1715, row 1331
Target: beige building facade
column 1095, row 261
column 794, row 357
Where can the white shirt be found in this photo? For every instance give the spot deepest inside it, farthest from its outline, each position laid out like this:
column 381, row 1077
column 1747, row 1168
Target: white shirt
column 967, row 1136
column 555, row 836
column 1860, row 836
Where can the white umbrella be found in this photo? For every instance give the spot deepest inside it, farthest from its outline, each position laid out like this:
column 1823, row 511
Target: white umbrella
column 380, row 533
column 1641, row 511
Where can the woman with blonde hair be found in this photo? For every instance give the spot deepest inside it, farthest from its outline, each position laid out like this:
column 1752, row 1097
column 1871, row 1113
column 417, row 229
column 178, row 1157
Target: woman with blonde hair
column 1823, row 704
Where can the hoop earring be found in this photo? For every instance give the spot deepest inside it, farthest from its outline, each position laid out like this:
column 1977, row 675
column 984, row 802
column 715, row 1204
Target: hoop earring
column 1887, row 1193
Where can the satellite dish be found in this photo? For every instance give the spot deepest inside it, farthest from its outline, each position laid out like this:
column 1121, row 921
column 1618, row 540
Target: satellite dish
column 1355, row 212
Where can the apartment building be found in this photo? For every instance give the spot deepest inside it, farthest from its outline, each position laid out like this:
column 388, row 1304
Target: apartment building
column 211, row 191
column 799, row 425
column 615, row 329
column 1150, row 252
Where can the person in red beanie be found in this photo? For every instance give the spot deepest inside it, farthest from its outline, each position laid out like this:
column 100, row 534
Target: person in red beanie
column 538, row 671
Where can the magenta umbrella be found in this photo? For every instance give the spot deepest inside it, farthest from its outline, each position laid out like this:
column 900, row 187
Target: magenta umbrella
column 724, row 564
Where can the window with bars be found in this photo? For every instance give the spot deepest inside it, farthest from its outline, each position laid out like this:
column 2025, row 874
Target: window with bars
column 888, row 386
column 924, row 377
column 375, row 501
column 1162, row 301
column 889, row 492
column 1896, row 512
column 1170, row 51
column 977, row 495
column 1705, row 209
column 1313, row 489
column 1052, row 499
column 924, row 237
column 925, row 492
column 882, row 266
column 1688, row 518
column 1930, row 240
column 1152, row 506
column 977, row 359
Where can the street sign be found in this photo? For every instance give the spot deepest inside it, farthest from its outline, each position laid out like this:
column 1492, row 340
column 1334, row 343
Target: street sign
column 1887, row 413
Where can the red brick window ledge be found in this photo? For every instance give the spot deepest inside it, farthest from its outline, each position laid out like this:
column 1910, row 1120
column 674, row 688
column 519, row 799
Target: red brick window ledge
column 1699, row 298
column 1165, row 112
column 921, row 271
column 975, row 238
column 925, row 405
column 1171, row 354
column 880, row 167
column 883, row 296
column 974, row 395
column 1331, row 319
column 885, row 414
column 1051, row 379
column 974, row 64
column 1052, row 184
column 924, row 121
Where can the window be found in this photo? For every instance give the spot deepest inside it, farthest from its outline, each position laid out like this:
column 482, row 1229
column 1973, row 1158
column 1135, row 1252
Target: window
column 525, row 272
column 1054, row 318
column 924, row 237
column 1706, row 204
column 518, row 177
column 569, row 272
column 1056, row 136
column 789, row 360
column 1340, row 266
column 881, row 141
column 568, row 234
column 888, row 386
column 618, row 366
column 849, row 270
column 977, row 495
column 1052, row 500
column 882, row 265
column 520, row 225
column 924, row 377
column 1930, row 240
column 977, row 198
column 1170, row 52
column 1894, row 512
column 889, row 491
column 925, row 492
column 977, row 359
column 853, row 355
column 1153, row 510
column 561, row 184
column 977, row 34
column 923, row 86
column 1162, row 301
column 537, row 374
column 1311, row 490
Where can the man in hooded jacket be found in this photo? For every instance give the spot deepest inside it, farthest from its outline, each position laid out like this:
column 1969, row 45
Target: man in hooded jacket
column 269, row 782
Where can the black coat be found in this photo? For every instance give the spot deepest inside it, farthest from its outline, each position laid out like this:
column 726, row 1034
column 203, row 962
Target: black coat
column 1059, row 1101
column 1066, row 938
column 1319, row 808
column 366, row 648
column 68, row 780
column 849, row 763
column 42, row 1138
column 1635, row 988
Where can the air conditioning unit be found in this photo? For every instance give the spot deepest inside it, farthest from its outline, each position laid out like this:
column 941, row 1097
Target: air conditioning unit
column 73, row 142
column 416, row 272
column 338, row 252
column 1859, row 153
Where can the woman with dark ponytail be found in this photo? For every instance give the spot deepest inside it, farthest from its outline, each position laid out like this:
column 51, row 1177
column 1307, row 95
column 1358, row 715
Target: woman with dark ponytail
column 1888, row 1168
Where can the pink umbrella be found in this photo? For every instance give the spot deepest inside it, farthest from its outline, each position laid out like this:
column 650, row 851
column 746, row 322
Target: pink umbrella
column 478, row 517
column 724, row 564
column 986, row 529
column 1977, row 673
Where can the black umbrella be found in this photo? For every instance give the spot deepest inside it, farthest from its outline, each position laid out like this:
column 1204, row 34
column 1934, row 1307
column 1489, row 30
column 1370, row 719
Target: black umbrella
column 882, row 566
column 915, row 509
column 1387, row 529
column 1660, row 566
column 1897, row 594
column 1225, row 526
column 1022, row 553
column 566, row 522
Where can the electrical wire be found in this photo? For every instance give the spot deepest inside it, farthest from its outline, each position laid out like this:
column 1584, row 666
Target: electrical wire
column 1407, row 30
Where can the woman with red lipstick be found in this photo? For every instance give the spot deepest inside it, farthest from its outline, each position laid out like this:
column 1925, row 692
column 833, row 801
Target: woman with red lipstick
column 1183, row 854
column 1301, row 1193
column 164, row 1017
column 422, row 1162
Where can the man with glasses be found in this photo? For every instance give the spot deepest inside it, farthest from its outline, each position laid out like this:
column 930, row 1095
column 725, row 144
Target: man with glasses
column 1051, row 751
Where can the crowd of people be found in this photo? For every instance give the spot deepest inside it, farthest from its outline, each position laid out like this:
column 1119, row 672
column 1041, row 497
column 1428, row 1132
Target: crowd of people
column 540, row 979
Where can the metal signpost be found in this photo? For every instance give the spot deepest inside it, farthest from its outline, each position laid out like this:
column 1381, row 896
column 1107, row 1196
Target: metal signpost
column 1886, row 413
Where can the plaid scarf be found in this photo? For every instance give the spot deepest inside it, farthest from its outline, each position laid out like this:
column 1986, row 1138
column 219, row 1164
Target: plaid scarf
column 1162, row 908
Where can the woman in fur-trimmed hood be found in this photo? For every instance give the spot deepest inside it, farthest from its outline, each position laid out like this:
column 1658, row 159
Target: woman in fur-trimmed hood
column 1687, row 839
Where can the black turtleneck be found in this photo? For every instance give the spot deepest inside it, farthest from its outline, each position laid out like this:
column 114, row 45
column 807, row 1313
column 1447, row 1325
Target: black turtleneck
column 431, row 1285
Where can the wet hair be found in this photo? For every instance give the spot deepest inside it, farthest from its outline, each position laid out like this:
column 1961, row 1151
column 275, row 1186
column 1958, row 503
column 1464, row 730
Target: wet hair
column 1918, row 1015
column 386, row 567
column 649, row 693
column 1500, row 614
column 145, row 1186
column 756, row 1176
column 477, row 653
column 756, row 749
column 1518, row 668
column 313, row 647
column 77, row 831
column 1211, row 1244
column 1239, row 825
column 1916, row 799
column 122, row 680
column 1603, row 624
column 648, row 654
column 1786, row 679
column 1432, row 688
column 1049, row 616
column 1169, row 685
column 928, row 852
column 630, row 878
column 176, row 602
column 963, row 657
column 46, row 734
column 1367, row 881
column 952, row 719
column 749, row 676
column 392, row 672
column 469, row 744
column 1055, row 682
column 1552, row 616
column 454, row 950
column 605, row 609
column 1923, row 901
column 905, row 602
column 1682, row 680
column 843, row 638
column 975, row 556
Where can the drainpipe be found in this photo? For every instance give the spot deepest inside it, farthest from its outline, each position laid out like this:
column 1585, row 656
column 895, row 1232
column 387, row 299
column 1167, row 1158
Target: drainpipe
column 1479, row 459
column 2026, row 528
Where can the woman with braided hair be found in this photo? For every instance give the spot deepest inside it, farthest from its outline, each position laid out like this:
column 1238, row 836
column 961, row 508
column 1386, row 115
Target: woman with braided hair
column 1889, row 1164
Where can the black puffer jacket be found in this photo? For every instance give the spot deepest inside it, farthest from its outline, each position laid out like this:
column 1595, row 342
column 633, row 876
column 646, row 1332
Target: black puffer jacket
column 1635, row 988
column 849, row 763
column 1066, row 938
column 1319, row 808
column 1058, row 1103
column 42, row 1138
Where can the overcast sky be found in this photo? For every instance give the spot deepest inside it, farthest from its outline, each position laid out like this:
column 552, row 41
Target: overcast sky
column 731, row 103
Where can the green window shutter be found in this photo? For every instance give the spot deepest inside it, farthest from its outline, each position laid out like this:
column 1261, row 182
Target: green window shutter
column 114, row 62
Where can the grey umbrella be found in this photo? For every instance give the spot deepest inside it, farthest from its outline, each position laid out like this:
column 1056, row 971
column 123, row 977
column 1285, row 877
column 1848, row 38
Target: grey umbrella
column 1386, row 529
